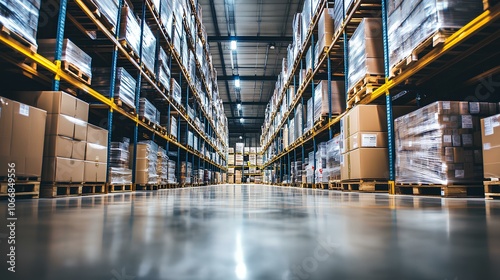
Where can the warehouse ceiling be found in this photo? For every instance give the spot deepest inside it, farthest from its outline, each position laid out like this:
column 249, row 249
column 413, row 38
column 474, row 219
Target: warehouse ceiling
column 263, row 30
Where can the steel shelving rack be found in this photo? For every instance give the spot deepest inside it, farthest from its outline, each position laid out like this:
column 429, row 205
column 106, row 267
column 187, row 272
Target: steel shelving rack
column 482, row 30
column 51, row 71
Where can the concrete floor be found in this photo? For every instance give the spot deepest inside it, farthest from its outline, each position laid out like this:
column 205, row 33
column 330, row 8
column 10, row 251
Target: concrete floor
column 254, row 232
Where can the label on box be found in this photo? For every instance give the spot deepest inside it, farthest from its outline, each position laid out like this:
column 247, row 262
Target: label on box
column 467, row 140
column 474, row 108
column 24, row 110
column 488, row 127
column 459, row 173
column 457, row 140
column 369, row 140
column 447, row 138
column 467, row 121
column 486, row 146
column 446, row 105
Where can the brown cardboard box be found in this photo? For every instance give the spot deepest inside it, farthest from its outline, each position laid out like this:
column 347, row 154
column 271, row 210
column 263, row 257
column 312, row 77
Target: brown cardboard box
column 374, row 47
column 21, row 138
column 56, row 102
column 366, row 163
column 375, row 66
column 94, row 172
column 97, row 135
column 371, row 118
column 61, row 146
column 490, row 132
column 57, row 169
column 96, row 153
column 367, row 140
column 141, row 164
column 142, row 177
column 58, row 124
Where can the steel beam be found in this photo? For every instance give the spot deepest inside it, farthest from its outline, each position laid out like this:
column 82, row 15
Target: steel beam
column 250, row 39
column 248, row 78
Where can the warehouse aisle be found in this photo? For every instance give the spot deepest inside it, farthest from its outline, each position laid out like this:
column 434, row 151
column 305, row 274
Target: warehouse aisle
column 255, row 232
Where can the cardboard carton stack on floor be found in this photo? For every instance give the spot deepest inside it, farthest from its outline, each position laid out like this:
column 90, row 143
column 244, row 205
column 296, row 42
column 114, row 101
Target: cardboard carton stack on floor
column 237, row 177
column 333, row 158
column 22, row 130
column 146, row 163
column 490, row 132
column 162, row 166
column 119, row 159
column 186, row 172
column 68, row 155
column 441, row 143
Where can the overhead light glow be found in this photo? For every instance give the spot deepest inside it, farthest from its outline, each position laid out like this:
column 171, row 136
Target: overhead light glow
column 233, row 45
column 272, row 46
column 241, row 120
column 241, row 137
column 237, row 82
column 238, row 106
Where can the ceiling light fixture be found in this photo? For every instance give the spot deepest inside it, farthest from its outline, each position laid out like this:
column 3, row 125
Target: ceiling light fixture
column 241, row 137
column 233, row 45
column 241, row 120
column 272, row 46
column 238, row 105
column 237, row 82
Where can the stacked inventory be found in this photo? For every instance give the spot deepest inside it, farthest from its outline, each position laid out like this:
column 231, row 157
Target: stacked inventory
column 65, row 136
column 441, row 143
column 323, row 105
column 333, row 158
column 21, row 17
column 366, row 52
column 430, row 16
column 309, row 168
column 239, row 154
column 22, row 138
column 172, row 179
column 146, row 163
column 125, row 84
column 119, row 162
column 237, row 177
column 162, row 166
column 148, row 111
column 230, row 175
column 109, row 10
column 296, row 172
column 490, row 133
column 365, row 154
column 186, row 172
column 320, row 167
column 162, row 69
column 325, row 32
column 96, row 154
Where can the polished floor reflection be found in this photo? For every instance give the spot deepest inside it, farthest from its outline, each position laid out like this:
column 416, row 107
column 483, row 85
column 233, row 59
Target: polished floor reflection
column 253, row 232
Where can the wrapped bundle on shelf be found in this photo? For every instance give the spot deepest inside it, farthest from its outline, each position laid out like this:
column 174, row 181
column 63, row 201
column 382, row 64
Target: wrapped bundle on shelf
column 291, row 131
column 73, row 58
column 162, row 166
column 124, row 87
column 321, row 101
column 299, row 121
column 325, row 31
column 166, row 16
column 320, row 167
column 148, row 111
column 175, row 91
column 309, row 61
column 148, row 49
column 146, row 163
column 186, row 172
column 306, row 18
column 173, row 126
column 437, row 144
column 490, row 132
column 108, row 9
column 309, row 115
column 190, row 139
column 162, row 69
column 333, row 158
column 338, row 15
column 285, row 136
column 310, row 168
column 130, row 31
column 171, row 172
column 366, row 52
column 21, row 17
column 119, row 171
column 178, row 40
column 239, row 148
column 238, row 160
column 430, row 17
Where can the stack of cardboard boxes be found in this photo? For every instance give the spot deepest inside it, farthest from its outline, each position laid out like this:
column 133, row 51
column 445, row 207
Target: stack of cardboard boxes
column 322, row 102
column 325, row 32
column 186, row 172
column 21, row 138
column 441, row 143
column 146, row 163
column 162, row 166
column 119, row 162
column 490, row 132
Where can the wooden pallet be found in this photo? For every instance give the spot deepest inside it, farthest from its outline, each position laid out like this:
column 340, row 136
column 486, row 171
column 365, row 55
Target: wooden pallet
column 492, row 189
column 130, row 51
column 93, row 188
column 18, row 38
column 433, row 41
column 364, row 88
column 62, row 189
column 73, row 70
column 97, row 13
column 26, row 189
column 365, row 186
column 469, row 190
column 322, row 186
column 116, row 188
column 334, row 185
column 125, row 106
column 146, row 187
column 21, row 179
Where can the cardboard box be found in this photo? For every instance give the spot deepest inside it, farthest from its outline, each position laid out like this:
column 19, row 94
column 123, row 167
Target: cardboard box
column 56, row 102
column 97, row 135
column 365, row 118
column 365, row 163
column 490, row 132
column 58, row 146
column 96, row 153
column 57, row 169
column 94, row 172
column 58, row 124
column 22, row 129
column 367, row 140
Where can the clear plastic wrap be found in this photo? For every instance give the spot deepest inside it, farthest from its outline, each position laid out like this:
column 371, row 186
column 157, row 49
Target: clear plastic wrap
column 173, row 126
column 162, row 166
column 411, row 22
column 186, row 172
column 310, row 168
column 321, row 99
column 310, row 115
column 124, row 86
column 366, row 52
column 130, row 30
column 21, row 17
column 176, row 91
column 436, row 145
column 299, row 122
column 148, row 49
column 320, row 171
column 166, row 16
column 306, row 18
column 172, row 179
column 148, row 111
column 109, row 9
column 119, row 159
column 338, row 15
column 71, row 54
column 333, row 158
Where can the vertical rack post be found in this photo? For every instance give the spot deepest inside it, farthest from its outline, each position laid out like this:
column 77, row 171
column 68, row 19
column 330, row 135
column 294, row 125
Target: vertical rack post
column 313, row 110
column 328, row 63
column 61, row 22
